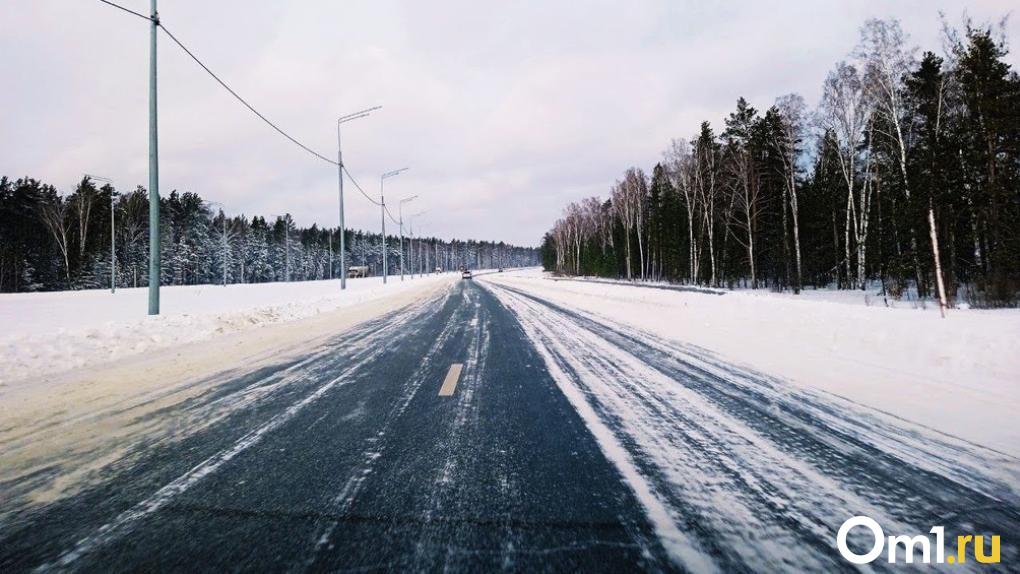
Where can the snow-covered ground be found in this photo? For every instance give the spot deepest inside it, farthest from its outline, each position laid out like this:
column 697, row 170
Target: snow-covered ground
column 870, row 297
column 47, row 333
column 960, row 375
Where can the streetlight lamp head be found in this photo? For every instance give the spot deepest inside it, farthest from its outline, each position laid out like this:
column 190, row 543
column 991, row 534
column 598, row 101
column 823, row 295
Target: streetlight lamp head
column 390, row 174
column 346, row 119
column 357, row 115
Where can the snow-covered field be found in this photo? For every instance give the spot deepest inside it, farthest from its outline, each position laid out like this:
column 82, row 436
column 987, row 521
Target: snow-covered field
column 960, row 375
column 47, row 333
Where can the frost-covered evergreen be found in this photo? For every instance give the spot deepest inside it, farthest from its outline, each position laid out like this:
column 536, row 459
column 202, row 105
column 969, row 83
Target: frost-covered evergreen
column 52, row 242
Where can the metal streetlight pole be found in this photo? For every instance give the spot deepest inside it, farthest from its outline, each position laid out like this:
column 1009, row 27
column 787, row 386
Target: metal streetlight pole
column 382, row 213
column 113, row 237
column 340, row 175
column 400, row 217
column 154, row 249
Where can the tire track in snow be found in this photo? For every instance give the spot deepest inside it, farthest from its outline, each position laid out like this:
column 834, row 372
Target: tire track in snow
column 450, row 478
column 368, row 351
column 754, row 473
column 156, row 418
column 682, row 548
column 888, row 440
column 340, row 506
column 674, row 445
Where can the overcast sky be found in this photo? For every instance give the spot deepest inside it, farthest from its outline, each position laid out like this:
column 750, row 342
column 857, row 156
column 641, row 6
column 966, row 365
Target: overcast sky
column 504, row 111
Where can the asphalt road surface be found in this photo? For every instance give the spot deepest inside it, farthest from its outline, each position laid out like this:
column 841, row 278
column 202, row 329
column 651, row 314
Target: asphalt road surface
column 487, row 430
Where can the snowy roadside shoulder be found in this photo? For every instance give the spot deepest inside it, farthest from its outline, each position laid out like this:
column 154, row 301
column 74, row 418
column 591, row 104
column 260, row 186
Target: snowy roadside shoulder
column 49, row 333
column 957, row 375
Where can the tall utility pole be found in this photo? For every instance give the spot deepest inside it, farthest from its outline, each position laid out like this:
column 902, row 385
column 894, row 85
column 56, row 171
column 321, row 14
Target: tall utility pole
column 382, row 213
column 153, row 170
column 340, row 175
column 400, row 218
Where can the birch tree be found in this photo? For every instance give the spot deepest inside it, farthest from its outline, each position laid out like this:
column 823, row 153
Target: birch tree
column 82, row 203
column 705, row 177
column 680, row 167
column 53, row 215
column 743, row 181
column 887, row 62
column 842, row 114
column 635, row 185
column 793, row 113
column 627, row 212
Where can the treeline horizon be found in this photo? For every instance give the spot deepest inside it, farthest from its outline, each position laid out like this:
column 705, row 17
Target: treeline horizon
column 53, row 242
column 905, row 177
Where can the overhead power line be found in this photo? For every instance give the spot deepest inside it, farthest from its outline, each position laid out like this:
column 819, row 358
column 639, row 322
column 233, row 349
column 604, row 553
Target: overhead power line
column 222, row 83
column 128, row 10
column 245, row 103
column 393, row 219
column 358, row 187
column 242, row 100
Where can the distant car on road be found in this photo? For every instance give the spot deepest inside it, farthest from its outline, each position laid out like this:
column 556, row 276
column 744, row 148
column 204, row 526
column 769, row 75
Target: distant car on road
column 465, row 274
column 439, row 269
column 500, row 269
column 357, row 271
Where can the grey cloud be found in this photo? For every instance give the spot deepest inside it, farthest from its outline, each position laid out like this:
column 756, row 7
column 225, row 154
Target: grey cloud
column 504, row 111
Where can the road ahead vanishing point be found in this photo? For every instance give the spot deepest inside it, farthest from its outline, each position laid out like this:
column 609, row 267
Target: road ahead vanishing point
column 486, row 428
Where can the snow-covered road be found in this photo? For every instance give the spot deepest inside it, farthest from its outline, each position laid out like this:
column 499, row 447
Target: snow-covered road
column 957, row 375
column 346, row 458
column 738, row 470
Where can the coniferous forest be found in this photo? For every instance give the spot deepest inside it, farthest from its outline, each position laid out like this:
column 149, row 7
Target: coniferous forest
column 904, row 178
column 50, row 241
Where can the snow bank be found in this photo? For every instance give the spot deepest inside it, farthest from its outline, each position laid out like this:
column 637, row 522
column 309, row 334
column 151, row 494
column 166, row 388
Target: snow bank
column 960, row 375
column 46, row 333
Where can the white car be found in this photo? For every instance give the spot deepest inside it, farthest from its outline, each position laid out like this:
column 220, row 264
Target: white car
column 465, row 274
